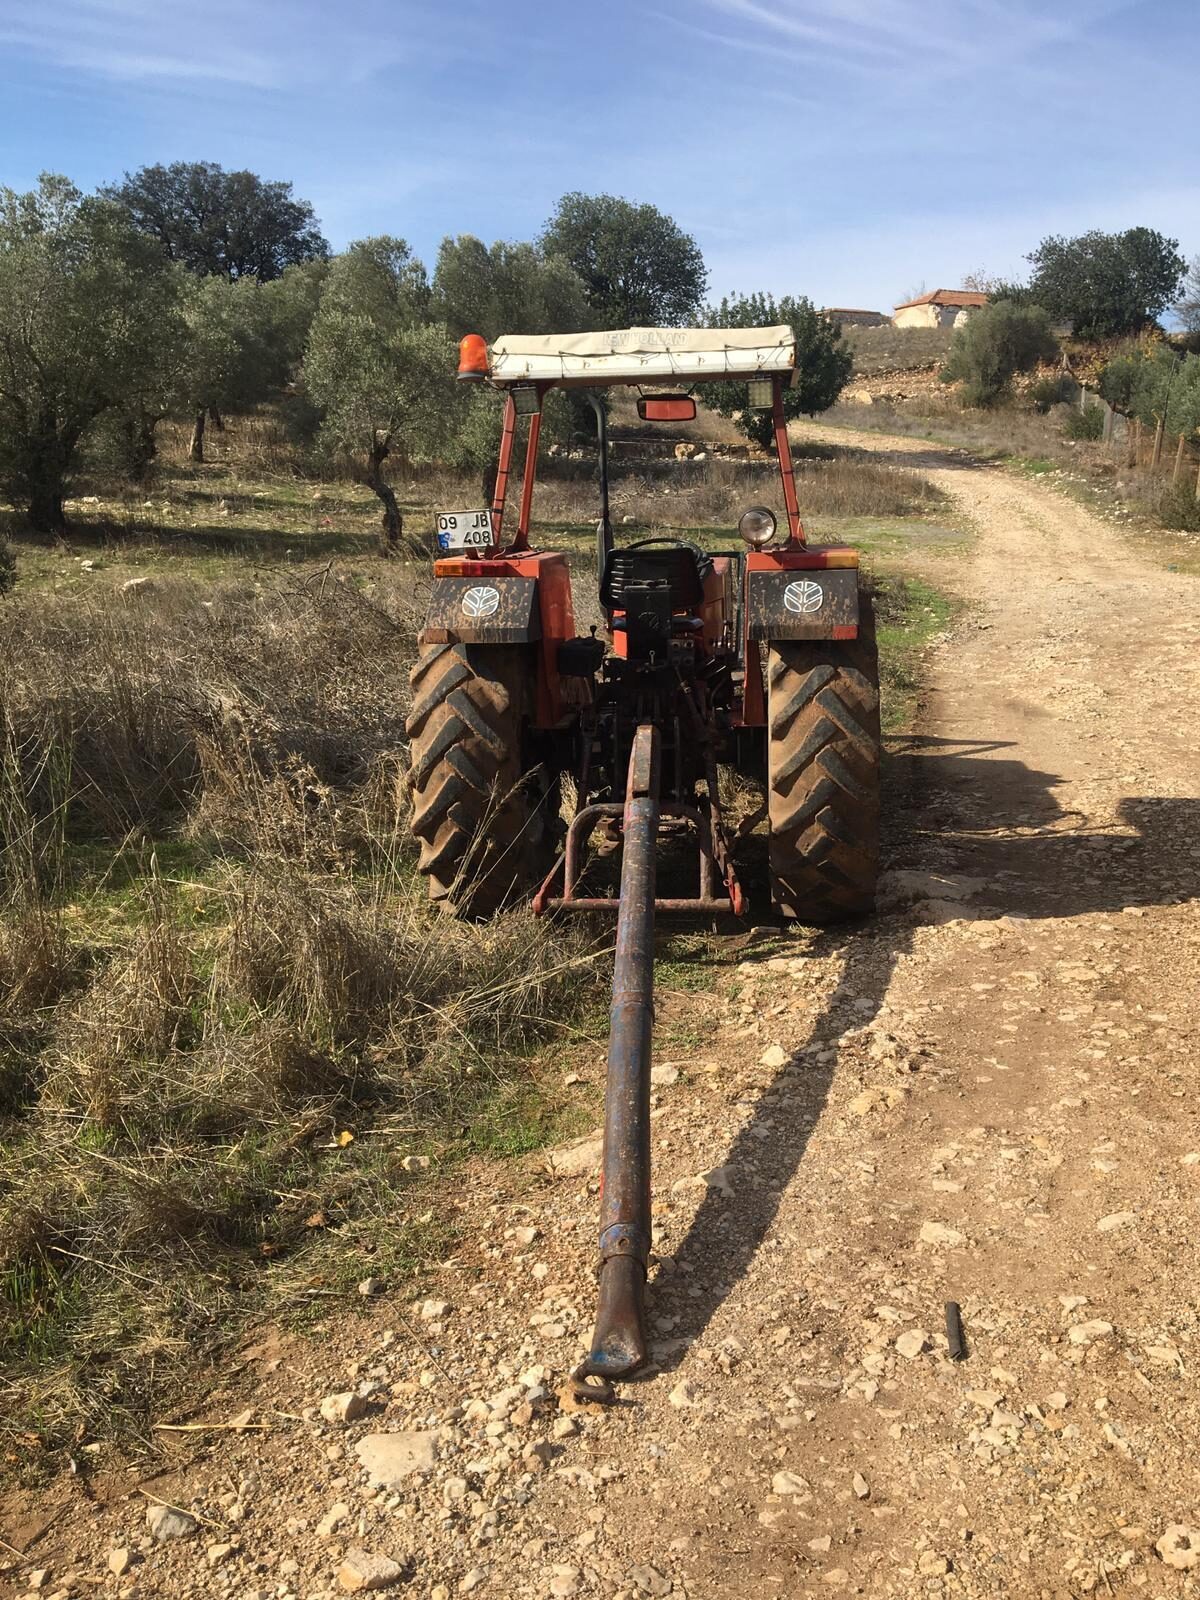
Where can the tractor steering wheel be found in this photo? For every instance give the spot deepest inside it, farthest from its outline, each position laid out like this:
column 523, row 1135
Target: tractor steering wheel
column 662, row 538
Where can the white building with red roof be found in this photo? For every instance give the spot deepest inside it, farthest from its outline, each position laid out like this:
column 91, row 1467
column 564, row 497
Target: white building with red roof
column 941, row 308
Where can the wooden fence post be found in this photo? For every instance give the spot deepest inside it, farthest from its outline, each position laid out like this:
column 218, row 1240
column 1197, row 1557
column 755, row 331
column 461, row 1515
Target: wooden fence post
column 1178, row 462
column 1156, row 453
column 1198, row 483
column 1135, row 441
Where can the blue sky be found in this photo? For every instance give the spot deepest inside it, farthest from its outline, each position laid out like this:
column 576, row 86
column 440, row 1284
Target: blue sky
column 851, row 150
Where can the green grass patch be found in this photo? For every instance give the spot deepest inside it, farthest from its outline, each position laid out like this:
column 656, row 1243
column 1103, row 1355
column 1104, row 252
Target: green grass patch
column 910, row 615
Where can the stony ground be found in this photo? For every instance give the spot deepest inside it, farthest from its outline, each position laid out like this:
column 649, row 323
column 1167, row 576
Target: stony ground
column 983, row 1096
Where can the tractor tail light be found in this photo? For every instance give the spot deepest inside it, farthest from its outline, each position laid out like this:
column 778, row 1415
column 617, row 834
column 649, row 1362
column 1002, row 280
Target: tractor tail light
column 473, row 357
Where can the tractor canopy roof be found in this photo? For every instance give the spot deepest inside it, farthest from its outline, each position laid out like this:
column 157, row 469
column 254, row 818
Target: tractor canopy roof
column 640, row 355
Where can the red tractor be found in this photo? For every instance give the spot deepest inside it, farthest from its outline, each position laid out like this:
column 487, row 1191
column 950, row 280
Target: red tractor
column 760, row 657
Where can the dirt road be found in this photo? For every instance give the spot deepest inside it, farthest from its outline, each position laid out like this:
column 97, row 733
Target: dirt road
column 987, row 1095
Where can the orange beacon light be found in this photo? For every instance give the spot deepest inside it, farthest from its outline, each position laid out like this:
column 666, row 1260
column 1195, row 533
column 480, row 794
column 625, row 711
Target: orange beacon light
column 473, row 357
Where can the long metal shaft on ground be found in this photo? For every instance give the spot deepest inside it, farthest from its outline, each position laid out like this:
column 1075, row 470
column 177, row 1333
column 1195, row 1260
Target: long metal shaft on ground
column 619, row 1342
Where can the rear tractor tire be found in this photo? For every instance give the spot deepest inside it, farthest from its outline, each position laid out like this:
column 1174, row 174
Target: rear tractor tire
column 823, row 772
column 482, row 807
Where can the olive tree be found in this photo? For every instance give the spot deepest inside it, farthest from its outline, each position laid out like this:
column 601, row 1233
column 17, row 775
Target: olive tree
column 1155, row 384
column 823, row 362
column 87, row 305
column 637, row 265
column 999, row 340
column 382, row 375
column 1107, row 284
column 507, row 288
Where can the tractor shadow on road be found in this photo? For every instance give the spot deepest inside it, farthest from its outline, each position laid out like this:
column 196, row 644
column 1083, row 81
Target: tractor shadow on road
column 965, row 811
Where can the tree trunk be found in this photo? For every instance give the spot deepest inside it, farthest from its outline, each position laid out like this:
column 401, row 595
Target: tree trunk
column 391, row 532
column 46, row 514
column 45, row 478
column 141, row 447
column 214, row 416
column 196, row 448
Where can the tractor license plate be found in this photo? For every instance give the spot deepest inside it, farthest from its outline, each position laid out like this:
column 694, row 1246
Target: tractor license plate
column 464, row 530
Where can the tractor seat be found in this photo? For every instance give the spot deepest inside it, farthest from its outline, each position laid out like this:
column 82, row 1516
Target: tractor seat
column 681, row 567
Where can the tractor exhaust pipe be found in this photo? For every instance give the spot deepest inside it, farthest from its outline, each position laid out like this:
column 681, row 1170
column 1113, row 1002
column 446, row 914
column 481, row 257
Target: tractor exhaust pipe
column 619, row 1341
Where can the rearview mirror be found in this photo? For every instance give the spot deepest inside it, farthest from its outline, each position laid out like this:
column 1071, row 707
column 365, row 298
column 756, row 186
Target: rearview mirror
column 667, row 408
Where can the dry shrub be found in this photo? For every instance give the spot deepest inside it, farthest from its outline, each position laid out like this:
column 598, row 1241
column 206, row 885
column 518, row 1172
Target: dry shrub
column 184, row 1130
column 104, row 1064
column 130, row 694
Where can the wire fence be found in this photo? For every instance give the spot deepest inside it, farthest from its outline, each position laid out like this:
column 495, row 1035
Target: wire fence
column 1151, row 449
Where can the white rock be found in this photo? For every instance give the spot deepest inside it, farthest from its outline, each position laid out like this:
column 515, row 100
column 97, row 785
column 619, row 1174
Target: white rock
column 434, row 1310
column 773, row 1056
column 344, row 1407
column 662, row 1077
column 937, row 1233
column 471, row 1580
column 788, row 1483
column 362, row 1570
column 370, row 1287
column 1085, row 1333
column 683, row 1395
column 861, row 1487
column 1179, row 1546
column 879, row 1098
column 718, row 1178
column 119, row 1562
column 332, row 1519
column 988, row 1399
column 578, row 1160
column 1118, row 1219
column 390, row 1458
column 414, row 1163
column 168, row 1522
column 216, row 1553
column 912, row 1343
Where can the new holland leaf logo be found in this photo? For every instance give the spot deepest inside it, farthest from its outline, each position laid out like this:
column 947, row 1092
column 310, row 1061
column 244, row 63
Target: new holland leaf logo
column 804, row 596
column 481, row 602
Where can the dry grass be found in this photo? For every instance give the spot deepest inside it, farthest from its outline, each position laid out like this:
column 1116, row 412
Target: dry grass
column 897, row 349
column 214, row 958
column 713, row 494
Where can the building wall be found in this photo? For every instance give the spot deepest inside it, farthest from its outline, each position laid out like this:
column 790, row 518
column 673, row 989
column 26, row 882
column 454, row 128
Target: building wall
column 925, row 316
column 932, row 316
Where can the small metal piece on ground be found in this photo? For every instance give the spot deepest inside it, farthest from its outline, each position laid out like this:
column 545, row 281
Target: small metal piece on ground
column 592, row 1389
column 955, row 1337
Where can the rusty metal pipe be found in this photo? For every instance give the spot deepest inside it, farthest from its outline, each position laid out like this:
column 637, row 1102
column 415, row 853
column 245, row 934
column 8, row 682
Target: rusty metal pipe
column 619, row 1341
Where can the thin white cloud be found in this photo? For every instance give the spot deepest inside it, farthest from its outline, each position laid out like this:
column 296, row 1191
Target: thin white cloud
column 920, row 41
column 272, row 45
